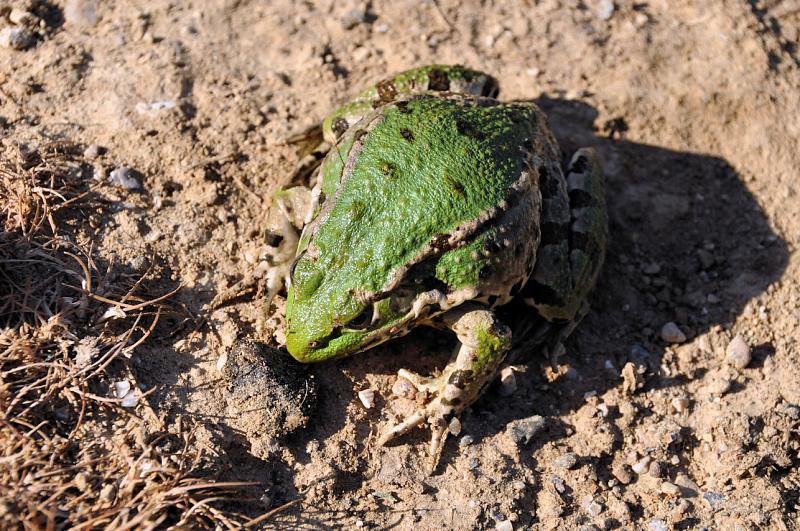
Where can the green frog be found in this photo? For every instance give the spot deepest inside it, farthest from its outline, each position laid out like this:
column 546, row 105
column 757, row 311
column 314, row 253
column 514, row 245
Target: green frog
column 436, row 205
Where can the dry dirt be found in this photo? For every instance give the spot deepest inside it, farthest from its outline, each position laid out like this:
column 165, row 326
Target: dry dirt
column 693, row 108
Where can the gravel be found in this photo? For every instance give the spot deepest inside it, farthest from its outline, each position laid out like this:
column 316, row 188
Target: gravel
column 125, row 177
column 672, row 334
column 567, row 461
column 16, row 38
column 738, row 353
column 522, row 431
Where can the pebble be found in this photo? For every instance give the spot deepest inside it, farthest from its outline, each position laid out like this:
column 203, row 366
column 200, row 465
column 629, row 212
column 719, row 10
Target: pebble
column 92, row 152
column 522, row 431
column 121, row 388
column 738, row 353
column 508, row 381
column 642, row 465
column 455, row 426
column 672, row 334
column 518, row 485
column 367, row 397
column 108, row 493
column 714, row 499
column 123, row 176
column 720, row 384
column 20, row 17
column 657, row 525
column 16, row 38
column 474, row 463
column 655, row 469
column 670, row 489
column 632, row 379
column 591, row 506
column 80, row 14
column 465, row 441
column 505, row 525
column 404, row 389
column 567, row 461
column 81, row 481
column 622, row 473
column 680, row 404
column 605, row 9
column 353, row 18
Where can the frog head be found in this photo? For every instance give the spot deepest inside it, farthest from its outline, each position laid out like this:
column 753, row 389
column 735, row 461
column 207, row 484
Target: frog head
column 329, row 316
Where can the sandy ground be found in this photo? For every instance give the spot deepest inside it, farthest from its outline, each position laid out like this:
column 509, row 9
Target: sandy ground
column 693, row 108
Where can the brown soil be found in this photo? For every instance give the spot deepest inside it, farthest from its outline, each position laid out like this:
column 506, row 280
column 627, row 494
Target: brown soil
column 693, row 108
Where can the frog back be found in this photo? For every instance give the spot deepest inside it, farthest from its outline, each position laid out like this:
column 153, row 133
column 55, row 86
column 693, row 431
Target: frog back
column 428, row 192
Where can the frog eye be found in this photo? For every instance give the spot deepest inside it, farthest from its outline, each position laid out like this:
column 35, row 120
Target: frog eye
column 362, row 320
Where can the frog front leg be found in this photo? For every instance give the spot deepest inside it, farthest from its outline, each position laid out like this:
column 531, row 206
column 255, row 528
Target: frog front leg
column 484, row 344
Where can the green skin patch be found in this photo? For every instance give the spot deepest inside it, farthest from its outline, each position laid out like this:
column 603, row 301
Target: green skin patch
column 450, row 160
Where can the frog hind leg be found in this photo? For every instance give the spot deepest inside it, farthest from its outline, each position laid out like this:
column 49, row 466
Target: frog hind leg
column 485, row 341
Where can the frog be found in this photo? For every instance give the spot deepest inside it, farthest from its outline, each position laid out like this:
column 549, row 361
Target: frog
column 437, row 204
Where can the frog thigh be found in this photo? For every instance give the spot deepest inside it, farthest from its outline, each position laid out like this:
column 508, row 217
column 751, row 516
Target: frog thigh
column 572, row 248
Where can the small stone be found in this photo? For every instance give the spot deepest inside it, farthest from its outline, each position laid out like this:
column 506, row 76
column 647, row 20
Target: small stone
column 714, row 499
column 124, row 177
column 16, row 38
column 80, row 14
column 705, row 258
column 622, row 473
column 651, row 269
column 681, row 510
column 353, row 18
column 567, row 461
column 522, row 431
column 92, row 152
column 505, row 525
column 719, row 385
column 508, row 381
column 680, row 404
column 688, row 487
column 20, row 17
column 404, row 389
column 558, row 484
column 656, row 469
column 121, row 388
column 672, row 334
column 591, row 506
column 518, row 485
column 738, row 353
column 657, row 525
column 632, row 379
column 642, row 465
column 367, row 397
column 81, row 481
column 455, row 426
column 791, row 411
column 474, row 463
column 670, row 489
column 465, row 441
column 108, row 493
column 605, row 9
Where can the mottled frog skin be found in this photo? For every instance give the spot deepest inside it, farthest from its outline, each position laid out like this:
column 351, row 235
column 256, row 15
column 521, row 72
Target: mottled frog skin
column 436, row 205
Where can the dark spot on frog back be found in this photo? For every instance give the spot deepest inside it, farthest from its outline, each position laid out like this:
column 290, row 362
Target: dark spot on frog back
column 388, row 169
column 339, row 126
column 456, row 188
column 407, row 134
column 438, row 80
column 469, row 129
column 386, row 92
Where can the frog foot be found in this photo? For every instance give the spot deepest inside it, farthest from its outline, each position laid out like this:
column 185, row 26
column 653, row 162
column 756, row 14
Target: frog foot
column 484, row 344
